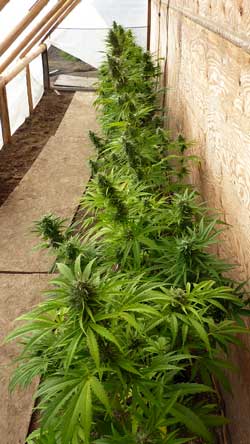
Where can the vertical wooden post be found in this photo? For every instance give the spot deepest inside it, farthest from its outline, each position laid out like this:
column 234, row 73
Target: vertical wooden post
column 46, row 79
column 149, row 25
column 29, row 89
column 4, row 114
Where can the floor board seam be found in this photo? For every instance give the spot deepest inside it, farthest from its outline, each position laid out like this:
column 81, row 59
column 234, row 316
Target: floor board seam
column 26, row 272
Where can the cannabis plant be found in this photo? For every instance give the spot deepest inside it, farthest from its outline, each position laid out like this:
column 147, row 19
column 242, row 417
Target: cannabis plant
column 109, row 351
column 132, row 338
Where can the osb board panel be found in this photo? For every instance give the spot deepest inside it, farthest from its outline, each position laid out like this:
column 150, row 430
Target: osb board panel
column 54, row 184
column 233, row 15
column 209, row 82
column 209, row 102
column 238, row 403
column 155, row 26
column 158, row 44
column 162, row 40
column 18, row 294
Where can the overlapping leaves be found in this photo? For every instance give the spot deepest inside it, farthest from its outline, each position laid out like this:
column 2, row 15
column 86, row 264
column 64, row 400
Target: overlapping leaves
column 137, row 324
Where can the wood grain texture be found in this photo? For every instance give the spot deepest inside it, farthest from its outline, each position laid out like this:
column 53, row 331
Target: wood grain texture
column 209, row 102
column 3, row 3
column 232, row 14
column 29, row 89
column 4, row 115
column 209, row 81
column 19, row 294
column 155, row 26
column 22, row 25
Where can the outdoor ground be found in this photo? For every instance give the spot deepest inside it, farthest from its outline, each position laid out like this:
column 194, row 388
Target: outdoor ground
column 47, row 153
column 17, row 157
column 54, row 184
column 66, row 64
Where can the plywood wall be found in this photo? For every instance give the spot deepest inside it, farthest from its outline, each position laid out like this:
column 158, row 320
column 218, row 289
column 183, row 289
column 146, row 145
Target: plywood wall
column 206, row 47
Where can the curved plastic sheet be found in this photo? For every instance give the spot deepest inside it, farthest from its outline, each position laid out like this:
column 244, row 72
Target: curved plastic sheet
column 81, row 34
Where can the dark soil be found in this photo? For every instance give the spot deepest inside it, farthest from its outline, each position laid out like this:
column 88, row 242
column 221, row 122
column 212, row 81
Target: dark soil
column 66, row 64
column 17, row 157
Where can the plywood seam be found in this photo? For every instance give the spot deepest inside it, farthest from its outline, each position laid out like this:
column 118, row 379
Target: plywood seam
column 240, row 41
column 165, row 73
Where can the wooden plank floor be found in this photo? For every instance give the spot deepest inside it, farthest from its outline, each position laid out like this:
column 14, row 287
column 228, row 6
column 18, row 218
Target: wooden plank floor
column 54, row 183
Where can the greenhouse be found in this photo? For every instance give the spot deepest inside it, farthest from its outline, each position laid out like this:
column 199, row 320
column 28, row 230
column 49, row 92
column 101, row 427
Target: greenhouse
column 124, row 213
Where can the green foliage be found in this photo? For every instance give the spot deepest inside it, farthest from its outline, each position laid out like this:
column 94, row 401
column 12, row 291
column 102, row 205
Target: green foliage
column 122, row 347
column 50, row 229
column 69, row 57
column 137, row 324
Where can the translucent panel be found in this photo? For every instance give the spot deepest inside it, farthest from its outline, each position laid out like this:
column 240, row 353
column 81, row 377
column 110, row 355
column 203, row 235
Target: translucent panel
column 81, row 34
column 36, row 73
column 88, row 45
column 17, row 101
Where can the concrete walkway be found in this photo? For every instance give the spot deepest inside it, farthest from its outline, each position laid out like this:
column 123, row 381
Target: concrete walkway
column 54, row 184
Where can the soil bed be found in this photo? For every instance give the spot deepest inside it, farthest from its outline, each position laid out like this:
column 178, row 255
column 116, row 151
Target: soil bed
column 17, row 157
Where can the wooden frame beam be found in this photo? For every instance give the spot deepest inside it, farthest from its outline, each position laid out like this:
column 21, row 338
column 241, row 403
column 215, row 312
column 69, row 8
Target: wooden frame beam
column 37, row 8
column 4, row 80
column 66, row 8
column 30, row 35
column 3, row 3
column 46, row 79
column 57, row 15
column 4, row 114
column 29, row 89
column 66, row 13
column 23, row 63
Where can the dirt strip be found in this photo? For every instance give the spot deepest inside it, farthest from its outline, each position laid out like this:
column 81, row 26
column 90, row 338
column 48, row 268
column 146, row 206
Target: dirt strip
column 54, row 183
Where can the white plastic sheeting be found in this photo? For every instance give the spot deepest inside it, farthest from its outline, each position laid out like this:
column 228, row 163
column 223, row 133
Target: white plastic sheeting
column 16, row 90
column 81, row 34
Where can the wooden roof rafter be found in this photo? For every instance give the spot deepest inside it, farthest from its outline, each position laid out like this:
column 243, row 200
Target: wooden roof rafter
column 52, row 23
column 22, row 64
column 38, row 35
column 3, row 3
column 54, row 13
column 63, row 16
column 22, row 25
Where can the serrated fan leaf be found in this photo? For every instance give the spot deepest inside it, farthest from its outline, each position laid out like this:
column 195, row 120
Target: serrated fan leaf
column 131, row 320
column 71, row 351
column 173, row 324
column 87, row 270
column 105, row 333
column 215, row 420
column 77, row 266
column 201, row 333
column 29, row 328
column 86, row 415
column 126, row 365
column 189, row 388
column 66, row 272
column 93, row 347
column 79, row 407
column 100, row 392
column 55, row 406
column 187, row 417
